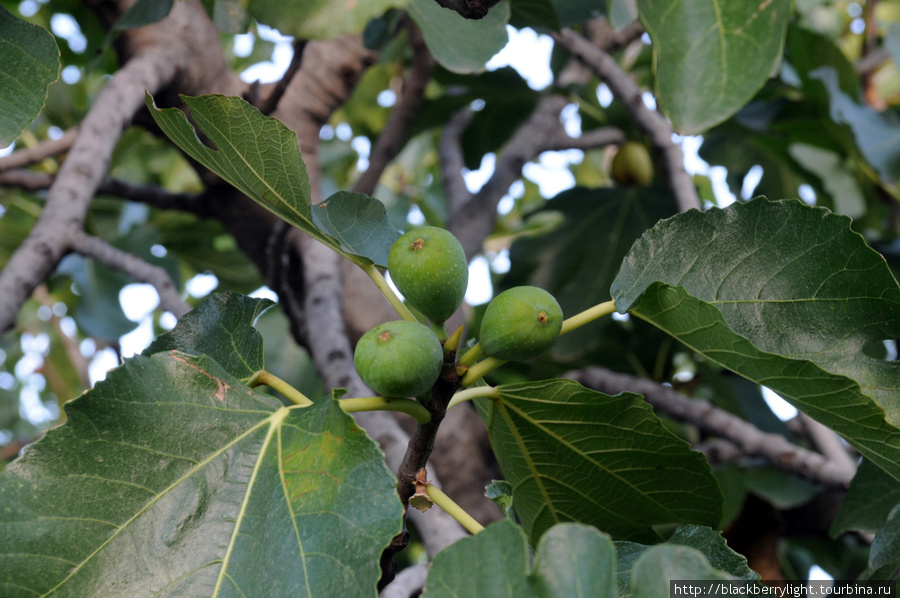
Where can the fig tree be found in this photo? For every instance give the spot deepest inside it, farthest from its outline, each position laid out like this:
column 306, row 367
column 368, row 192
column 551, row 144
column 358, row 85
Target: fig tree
column 520, row 323
column 399, row 359
column 632, row 165
column 429, row 267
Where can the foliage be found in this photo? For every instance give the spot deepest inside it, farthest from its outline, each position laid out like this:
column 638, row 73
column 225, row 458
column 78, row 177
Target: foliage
column 179, row 474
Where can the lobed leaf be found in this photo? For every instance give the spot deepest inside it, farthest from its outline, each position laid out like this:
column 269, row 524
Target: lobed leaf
column 785, row 295
column 712, row 56
column 172, row 478
column 574, row 454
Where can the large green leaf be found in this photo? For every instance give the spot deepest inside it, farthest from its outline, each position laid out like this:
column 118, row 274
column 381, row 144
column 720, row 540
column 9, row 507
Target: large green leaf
column 173, row 478
column 458, row 44
column 29, row 63
column 712, row 56
column 259, row 155
column 872, row 496
column 785, row 295
column 572, row 560
column 574, row 454
column 222, row 328
column 319, row 19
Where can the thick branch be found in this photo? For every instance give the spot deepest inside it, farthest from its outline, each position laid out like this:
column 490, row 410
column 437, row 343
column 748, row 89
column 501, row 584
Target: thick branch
column 31, row 155
column 651, row 122
column 774, row 448
column 390, row 142
column 127, row 263
column 80, row 175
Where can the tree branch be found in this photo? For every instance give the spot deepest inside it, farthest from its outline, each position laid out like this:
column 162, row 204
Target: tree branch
column 45, row 149
column 390, row 142
column 651, row 122
column 148, row 194
column 80, row 175
column 269, row 104
column 774, row 448
column 127, row 263
column 473, row 219
column 408, row 583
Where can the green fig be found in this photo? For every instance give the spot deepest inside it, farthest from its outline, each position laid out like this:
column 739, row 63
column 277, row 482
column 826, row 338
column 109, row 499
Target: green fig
column 520, row 323
column 399, row 359
column 429, row 267
column 632, row 165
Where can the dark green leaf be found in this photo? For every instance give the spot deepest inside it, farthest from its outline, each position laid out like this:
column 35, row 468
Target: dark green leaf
column 229, row 16
column 172, row 477
column 360, row 223
column 29, row 63
column 537, row 14
column 780, row 489
column 659, row 564
column 572, row 560
column 221, row 327
column 704, row 539
column 884, row 554
column 712, row 56
column 458, row 44
column 872, row 496
column 785, row 295
column 575, row 12
column 492, row 563
column 99, row 312
column 573, row 454
column 877, row 133
column 319, row 19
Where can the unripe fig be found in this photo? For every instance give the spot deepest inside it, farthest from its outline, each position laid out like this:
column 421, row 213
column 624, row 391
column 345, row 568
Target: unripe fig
column 399, row 359
column 520, row 323
column 632, row 165
column 429, row 267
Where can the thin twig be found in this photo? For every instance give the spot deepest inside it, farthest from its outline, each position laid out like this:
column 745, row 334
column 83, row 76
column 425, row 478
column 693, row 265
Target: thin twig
column 130, row 264
column 45, row 149
column 651, row 122
column 774, row 448
column 267, row 105
column 148, row 194
column 390, row 142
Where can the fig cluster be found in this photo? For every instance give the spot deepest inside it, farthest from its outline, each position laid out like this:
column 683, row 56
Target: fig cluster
column 428, row 265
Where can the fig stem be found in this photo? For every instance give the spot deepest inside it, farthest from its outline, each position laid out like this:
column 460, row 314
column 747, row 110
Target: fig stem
column 389, row 294
column 588, row 315
column 439, row 330
column 262, row 377
column 453, row 509
column 413, row 408
column 452, row 343
column 476, row 392
column 472, row 355
column 481, row 368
